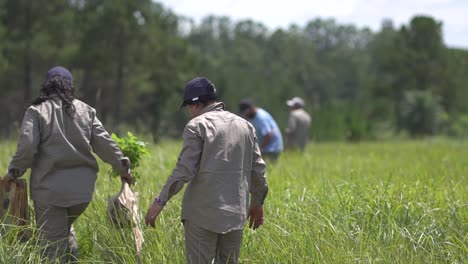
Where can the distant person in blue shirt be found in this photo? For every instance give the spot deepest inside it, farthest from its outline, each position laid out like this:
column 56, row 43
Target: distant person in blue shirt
column 268, row 134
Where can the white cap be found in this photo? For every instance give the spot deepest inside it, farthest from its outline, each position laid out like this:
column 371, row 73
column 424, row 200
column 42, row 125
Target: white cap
column 296, row 101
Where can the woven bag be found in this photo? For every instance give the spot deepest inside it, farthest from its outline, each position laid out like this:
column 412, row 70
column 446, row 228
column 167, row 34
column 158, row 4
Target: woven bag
column 14, row 208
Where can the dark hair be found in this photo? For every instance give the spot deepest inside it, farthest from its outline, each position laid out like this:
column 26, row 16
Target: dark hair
column 57, row 85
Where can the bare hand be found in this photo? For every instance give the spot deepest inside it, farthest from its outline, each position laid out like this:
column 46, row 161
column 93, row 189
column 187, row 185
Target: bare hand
column 153, row 211
column 256, row 217
column 128, row 178
column 8, row 177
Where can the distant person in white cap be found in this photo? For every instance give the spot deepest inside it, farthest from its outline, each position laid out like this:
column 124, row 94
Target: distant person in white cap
column 297, row 132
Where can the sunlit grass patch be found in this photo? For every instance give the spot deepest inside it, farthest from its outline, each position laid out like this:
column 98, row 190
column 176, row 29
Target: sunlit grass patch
column 392, row 202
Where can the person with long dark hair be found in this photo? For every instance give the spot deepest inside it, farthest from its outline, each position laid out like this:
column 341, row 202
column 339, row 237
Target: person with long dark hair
column 58, row 136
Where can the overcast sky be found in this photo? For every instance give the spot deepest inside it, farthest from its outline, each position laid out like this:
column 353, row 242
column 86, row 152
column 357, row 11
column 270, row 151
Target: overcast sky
column 276, row 13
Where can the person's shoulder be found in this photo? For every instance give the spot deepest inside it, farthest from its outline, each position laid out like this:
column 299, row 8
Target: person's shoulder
column 305, row 113
column 41, row 108
column 267, row 117
column 83, row 110
column 297, row 112
column 239, row 120
column 35, row 109
column 229, row 114
column 195, row 123
column 82, row 105
column 262, row 113
column 267, row 114
column 206, row 118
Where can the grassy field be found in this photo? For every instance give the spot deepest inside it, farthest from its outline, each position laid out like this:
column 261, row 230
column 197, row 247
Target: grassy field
column 393, row 202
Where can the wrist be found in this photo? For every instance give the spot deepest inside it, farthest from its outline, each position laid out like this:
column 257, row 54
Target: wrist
column 160, row 202
column 256, row 205
column 125, row 162
column 14, row 173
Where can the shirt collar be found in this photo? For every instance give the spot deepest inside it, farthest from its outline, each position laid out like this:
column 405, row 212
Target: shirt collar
column 218, row 106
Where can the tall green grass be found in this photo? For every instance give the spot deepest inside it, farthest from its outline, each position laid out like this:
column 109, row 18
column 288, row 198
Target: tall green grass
column 392, row 202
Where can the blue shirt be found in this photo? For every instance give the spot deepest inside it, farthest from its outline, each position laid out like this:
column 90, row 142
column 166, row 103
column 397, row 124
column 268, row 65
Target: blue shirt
column 264, row 124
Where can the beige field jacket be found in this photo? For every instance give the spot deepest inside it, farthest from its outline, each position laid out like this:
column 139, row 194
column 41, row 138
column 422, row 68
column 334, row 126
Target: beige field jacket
column 221, row 161
column 59, row 151
column 297, row 132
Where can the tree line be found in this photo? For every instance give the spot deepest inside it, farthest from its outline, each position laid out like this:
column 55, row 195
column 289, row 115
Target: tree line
column 131, row 58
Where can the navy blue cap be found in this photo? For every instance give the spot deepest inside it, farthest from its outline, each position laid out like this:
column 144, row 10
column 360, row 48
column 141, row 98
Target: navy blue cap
column 61, row 71
column 198, row 88
column 245, row 104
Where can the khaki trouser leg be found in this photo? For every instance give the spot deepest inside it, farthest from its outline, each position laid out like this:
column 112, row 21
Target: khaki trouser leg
column 229, row 245
column 200, row 244
column 203, row 246
column 55, row 224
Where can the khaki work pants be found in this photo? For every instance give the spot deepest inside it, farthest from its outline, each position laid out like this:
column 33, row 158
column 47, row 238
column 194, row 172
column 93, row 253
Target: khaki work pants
column 203, row 246
column 58, row 237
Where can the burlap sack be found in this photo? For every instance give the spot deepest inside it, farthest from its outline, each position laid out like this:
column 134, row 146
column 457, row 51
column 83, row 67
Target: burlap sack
column 123, row 212
column 14, row 208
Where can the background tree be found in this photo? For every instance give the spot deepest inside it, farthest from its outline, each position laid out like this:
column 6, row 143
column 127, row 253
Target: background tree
column 131, row 60
column 421, row 112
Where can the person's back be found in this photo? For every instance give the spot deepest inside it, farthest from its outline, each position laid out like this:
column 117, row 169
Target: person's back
column 221, row 161
column 265, row 125
column 58, row 135
column 298, row 129
column 65, row 169
column 217, row 198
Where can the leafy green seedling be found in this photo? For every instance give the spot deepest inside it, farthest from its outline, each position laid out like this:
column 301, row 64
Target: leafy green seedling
column 132, row 148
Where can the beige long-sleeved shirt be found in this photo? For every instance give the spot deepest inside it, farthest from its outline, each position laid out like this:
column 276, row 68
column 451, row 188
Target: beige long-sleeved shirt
column 221, row 161
column 58, row 149
column 298, row 128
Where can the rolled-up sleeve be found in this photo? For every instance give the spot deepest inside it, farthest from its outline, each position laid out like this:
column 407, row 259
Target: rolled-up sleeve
column 106, row 148
column 259, row 186
column 28, row 143
column 187, row 165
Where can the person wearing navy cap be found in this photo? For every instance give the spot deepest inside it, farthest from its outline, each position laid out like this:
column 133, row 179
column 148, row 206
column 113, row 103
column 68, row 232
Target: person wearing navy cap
column 58, row 137
column 221, row 162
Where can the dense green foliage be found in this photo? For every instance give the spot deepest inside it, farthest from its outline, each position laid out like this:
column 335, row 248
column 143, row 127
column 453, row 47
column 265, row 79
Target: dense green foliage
column 420, row 112
column 394, row 202
column 131, row 59
column 134, row 149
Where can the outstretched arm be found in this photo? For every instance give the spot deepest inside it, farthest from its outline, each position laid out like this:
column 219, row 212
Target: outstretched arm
column 185, row 170
column 258, row 189
column 106, row 148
